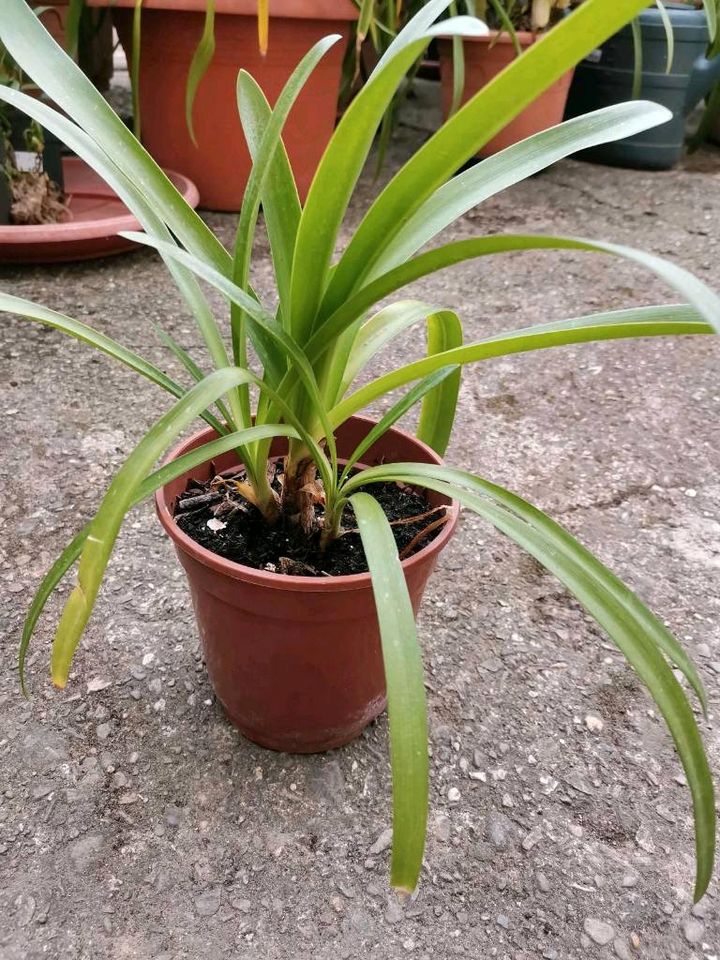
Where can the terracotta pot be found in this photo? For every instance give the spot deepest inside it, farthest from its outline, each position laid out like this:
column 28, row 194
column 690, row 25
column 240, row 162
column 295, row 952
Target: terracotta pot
column 220, row 163
column 295, row 661
column 485, row 57
column 53, row 19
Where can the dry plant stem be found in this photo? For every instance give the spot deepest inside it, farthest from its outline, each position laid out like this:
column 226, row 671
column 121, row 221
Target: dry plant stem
column 423, row 533
column 301, row 492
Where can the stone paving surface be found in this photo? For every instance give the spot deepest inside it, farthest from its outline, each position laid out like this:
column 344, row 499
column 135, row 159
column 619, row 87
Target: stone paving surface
column 136, row 823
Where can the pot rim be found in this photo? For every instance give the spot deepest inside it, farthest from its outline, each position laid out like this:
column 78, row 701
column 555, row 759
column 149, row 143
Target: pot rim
column 525, row 38
column 281, row 9
column 281, row 581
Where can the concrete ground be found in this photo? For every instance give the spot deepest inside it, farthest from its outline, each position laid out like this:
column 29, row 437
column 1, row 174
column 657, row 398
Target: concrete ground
column 136, row 823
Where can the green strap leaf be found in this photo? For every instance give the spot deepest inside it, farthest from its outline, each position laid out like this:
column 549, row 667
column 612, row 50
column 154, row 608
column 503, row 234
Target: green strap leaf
column 473, row 125
column 250, row 209
column 116, row 503
column 81, row 331
column 279, row 195
column 699, row 294
column 136, row 202
column 511, row 166
column 437, row 416
column 640, row 322
column 201, row 59
column 166, row 474
column 398, row 410
column 407, row 710
column 636, row 632
column 256, row 313
column 338, row 173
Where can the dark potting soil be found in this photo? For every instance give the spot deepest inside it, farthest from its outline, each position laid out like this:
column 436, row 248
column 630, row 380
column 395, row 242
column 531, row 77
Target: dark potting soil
column 248, row 539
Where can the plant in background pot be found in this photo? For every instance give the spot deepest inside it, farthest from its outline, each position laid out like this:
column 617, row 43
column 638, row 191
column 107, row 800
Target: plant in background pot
column 468, row 64
column 185, row 64
column 661, row 56
column 274, row 499
column 31, row 176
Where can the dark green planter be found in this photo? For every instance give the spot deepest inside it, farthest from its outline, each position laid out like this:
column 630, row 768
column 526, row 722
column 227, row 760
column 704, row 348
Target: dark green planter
column 606, row 77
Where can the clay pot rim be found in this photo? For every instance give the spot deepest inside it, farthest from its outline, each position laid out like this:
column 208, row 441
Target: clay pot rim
column 279, row 581
column 97, row 228
column 281, row 9
column 526, row 38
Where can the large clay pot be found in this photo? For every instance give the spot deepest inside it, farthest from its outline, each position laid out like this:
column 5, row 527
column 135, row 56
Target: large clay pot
column 220, row 163
column 295, row 661
column 485, row 57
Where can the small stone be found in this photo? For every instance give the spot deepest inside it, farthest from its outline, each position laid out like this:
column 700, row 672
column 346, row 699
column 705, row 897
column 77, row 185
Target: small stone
column 207, row 904
column 25, row 906
column 382, row 843
column 507, row 800
column 453, row 795
column 630, row 880
column 119, row 780
column 543, row 882
column 97, row 684
column 531, row 839
column 103, row 731
column 42, row 790
column 593, row 723
column 634, row 941
column 699, row 910
column 498, row 829
column 622, row 950
column 599, row 931
column 477, row 758
column 576, row 830
column 441, row 829
column 550, row 954
column 243, row 906
column 394, row 911
column 502, row 921
column 693, row 930
column 215, row 525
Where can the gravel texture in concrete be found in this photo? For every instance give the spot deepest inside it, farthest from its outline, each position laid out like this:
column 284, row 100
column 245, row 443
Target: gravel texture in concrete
column 136, row 823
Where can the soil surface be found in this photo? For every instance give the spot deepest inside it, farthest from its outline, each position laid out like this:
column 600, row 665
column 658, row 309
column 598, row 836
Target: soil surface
column 219, row 519
column 137, row 824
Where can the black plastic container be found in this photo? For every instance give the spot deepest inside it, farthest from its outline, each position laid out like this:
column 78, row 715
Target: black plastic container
column 606, row 77
column 52, row 153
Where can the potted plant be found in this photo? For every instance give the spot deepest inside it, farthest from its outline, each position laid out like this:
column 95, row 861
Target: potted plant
column 660, row 56
column 214, row 39
column 468, row 65
column 306, row 486
column 31, row 174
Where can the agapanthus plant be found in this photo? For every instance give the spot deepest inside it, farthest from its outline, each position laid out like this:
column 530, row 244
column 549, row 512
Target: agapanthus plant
column 291, row 370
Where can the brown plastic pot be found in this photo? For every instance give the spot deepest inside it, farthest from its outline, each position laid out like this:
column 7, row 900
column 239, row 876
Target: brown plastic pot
column 295, row 661
column 485, row 57
column 220, row 163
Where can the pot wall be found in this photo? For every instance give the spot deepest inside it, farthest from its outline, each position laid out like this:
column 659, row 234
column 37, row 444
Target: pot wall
column 485, row 57
column 220, row 163
column 295, row 661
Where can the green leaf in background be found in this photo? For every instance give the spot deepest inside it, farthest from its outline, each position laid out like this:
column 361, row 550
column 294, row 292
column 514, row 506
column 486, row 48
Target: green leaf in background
column 201, row 60
column 407, row 710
